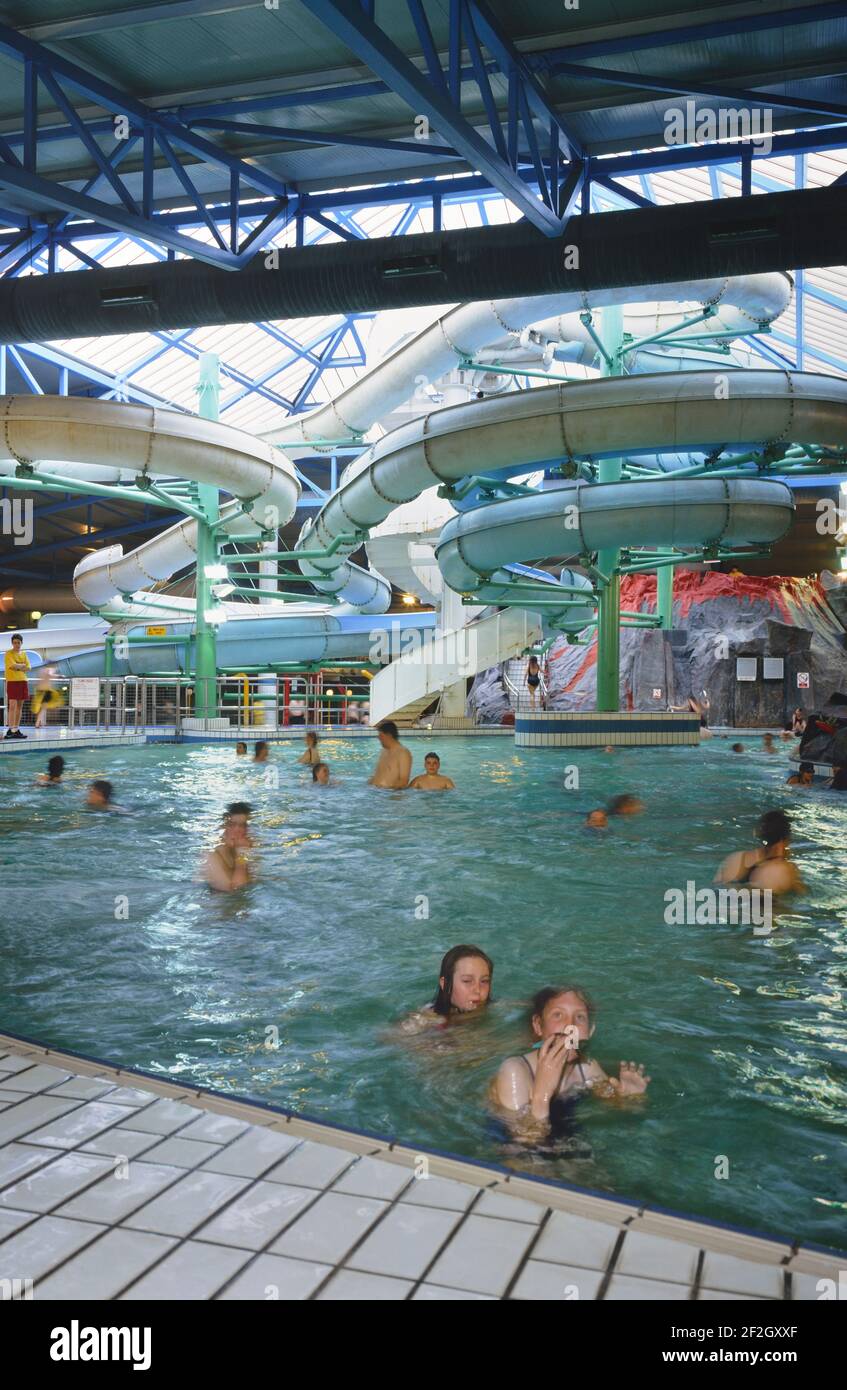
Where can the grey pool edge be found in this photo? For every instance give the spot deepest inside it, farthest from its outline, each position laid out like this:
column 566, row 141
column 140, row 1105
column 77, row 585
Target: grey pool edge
column 623, row 1212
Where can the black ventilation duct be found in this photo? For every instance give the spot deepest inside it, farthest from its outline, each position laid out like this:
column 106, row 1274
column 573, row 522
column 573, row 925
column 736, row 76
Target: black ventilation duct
column 689, row 241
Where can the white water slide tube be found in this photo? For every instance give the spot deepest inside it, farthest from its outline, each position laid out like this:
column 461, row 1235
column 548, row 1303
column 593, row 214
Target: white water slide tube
column 107, row 441
column 603, row 417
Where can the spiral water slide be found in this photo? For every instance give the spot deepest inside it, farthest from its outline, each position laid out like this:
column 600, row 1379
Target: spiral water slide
column 479, row 551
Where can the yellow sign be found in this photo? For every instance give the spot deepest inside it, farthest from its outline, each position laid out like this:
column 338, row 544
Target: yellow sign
column 156, row 631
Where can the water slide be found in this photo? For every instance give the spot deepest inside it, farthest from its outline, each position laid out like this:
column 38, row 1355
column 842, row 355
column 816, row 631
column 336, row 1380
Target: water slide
column 482, row 550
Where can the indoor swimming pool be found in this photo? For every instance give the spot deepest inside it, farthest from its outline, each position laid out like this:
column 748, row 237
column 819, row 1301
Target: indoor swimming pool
column 291, row 990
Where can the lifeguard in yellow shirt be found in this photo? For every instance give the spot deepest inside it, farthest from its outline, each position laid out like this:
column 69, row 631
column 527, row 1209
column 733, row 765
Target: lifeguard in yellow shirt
column 17, row 690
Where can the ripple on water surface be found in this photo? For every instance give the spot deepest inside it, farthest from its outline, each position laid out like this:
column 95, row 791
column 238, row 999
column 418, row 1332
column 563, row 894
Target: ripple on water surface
column 109, row 945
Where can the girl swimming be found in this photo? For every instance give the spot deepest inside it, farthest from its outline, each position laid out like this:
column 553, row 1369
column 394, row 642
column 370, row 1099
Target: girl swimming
column 53, row 776
column 464, row 988
column 535, row 1092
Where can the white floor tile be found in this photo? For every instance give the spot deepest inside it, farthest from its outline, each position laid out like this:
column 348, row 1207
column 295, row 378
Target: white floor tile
column 542, row 1282
column 84, row 1088
column 654, row 1257
column 253, row 1154
column 11, row 1221
column 192, row 1271
column 181, row 1153
column 259, row 1214
column 506, row 1208
column 54, row 1183
column 120, row 1142
column 373, row 1177
column 433, row 1293
column 30, row 1115
column 575, row 1240
column 312, row 1165
column 405, row 1242
column 114, row 1197
column 440, row 1192
column 349, row 1286
column 483, row 1255
column 330, row 1228
column 271, row 1278
column 624, row 1287
column 43, row 1244
column 215, row 1129
column 39, row 1078
column 162, row 1117
column 741, row 1276
column 188, row 1204
column 17, row 1159
column 77, row 1127
column 105, row 1267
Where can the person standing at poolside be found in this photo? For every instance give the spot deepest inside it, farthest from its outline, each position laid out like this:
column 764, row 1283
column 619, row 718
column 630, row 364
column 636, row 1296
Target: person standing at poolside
column 395, row 761
column 227, row 868
column 16, row 664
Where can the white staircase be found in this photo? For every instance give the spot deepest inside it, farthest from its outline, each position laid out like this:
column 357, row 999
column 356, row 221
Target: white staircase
column 517, row 690
column 406, row 688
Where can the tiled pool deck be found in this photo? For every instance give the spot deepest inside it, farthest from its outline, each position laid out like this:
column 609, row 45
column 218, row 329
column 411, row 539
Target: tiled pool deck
column 115, row 1186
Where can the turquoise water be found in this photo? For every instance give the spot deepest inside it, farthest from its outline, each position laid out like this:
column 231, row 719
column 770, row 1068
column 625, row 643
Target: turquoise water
column 744, row 1036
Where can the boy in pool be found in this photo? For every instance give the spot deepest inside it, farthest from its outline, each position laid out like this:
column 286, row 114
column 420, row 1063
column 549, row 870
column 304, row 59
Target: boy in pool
column 227, row 868
column 240, row 749
column 432, row 779
column 535, row 1090
column 320, row 775
column 625, row 805
column 464, row 988
column 597, row 819
column 260, row 751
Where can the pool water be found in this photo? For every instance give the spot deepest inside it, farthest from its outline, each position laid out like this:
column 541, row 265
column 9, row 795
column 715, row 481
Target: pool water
column 109, row 946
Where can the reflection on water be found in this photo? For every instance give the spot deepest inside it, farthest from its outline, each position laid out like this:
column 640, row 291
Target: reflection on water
column 289, row 990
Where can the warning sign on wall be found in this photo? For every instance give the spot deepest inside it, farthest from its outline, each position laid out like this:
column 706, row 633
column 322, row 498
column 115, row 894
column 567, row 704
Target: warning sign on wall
column 802, row 680
column 657, row 694
column 156, row 631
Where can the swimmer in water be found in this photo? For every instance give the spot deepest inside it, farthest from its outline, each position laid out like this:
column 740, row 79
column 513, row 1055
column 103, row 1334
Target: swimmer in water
column 534, row 1090
column 769, row 867
column 738, row 748
column 260, row 752
column 768, row 743
column 626, row 805
column 320, row 774
column 53, row 776
column 609, row 748
column 432, row 779
column 395, row 761
column 838, row 780
column 803, row 778
column 311, row 754
column 464, row 988
column 240, row 749
column 597, row 820
column 227, row 868
column 100, row 797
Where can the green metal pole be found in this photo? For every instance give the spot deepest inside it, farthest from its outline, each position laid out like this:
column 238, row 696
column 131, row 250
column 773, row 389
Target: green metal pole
column 664, row 595
column 109, row 651
column 609, row 594
column 205, row 665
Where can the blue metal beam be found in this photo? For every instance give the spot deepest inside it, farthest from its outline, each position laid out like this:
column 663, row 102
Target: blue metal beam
column 688, row 33
column 348, row 22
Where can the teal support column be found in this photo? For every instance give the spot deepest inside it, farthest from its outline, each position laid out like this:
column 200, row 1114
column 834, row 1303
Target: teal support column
column 206, row 662
column 664, row 595
column 108, row 653
column 609, row 594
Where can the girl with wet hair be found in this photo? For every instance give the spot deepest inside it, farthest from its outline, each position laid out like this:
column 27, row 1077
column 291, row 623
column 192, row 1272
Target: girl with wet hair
column 464, row 989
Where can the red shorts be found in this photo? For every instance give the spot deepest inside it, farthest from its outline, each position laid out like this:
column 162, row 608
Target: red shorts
column 17, row 690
